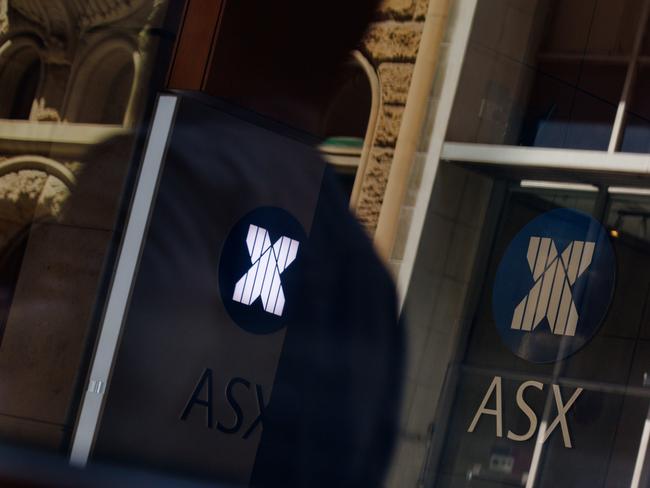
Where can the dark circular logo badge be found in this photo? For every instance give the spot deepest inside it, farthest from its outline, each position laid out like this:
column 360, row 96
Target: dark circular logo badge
column 259, row 269
column 554, row 286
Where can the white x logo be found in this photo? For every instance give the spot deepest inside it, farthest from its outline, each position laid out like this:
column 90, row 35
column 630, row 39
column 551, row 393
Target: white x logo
column 263, row 277
column 551, row 295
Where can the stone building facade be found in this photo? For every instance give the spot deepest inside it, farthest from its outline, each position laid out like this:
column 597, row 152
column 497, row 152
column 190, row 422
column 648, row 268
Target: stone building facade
column 63, row 64
column 391, row 44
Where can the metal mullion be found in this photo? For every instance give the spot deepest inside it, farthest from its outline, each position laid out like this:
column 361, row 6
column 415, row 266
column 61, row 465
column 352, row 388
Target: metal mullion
column 553, row 159
column 590, row 58
column 117, row 303
column 619, row 120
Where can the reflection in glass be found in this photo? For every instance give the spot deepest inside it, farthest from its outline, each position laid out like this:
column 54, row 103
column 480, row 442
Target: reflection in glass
column 606, row 421
column 70, row 79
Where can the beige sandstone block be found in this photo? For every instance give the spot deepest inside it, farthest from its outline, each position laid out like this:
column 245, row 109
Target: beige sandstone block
column 393, row 41
column 395, row 81
column 4, row 20
column 19, row 193
column 373, row 187
column 421, row 7
column 389, row 125
column 52, row 198
column 397, row 8
column 436, row 7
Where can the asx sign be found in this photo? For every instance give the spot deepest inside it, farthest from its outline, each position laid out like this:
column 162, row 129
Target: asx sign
column 551, row 293
column 553, row 286
column 202, row 400
column 561, row 406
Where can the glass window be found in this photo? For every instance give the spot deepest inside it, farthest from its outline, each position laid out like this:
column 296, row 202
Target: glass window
column 562, row 74
column 75, row 89
column 499, row 400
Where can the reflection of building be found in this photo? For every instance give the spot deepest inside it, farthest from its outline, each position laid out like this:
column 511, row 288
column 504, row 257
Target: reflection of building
column 62, row 64
column 71, row 75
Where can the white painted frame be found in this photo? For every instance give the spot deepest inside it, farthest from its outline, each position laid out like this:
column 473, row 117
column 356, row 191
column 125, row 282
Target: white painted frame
column 457, row 46
column 120, row 291
column 560, row 160
column 371, row 130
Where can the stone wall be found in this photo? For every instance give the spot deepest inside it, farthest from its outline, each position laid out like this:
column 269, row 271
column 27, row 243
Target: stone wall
column 391, row 44
column 4, row 22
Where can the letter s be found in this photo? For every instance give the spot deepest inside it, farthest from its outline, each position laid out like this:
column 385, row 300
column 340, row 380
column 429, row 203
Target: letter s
column 524, row 407
column 239, row 413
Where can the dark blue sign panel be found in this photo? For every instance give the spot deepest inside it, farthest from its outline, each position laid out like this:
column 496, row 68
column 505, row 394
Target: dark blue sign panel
column 554, row 286
column 216, row 288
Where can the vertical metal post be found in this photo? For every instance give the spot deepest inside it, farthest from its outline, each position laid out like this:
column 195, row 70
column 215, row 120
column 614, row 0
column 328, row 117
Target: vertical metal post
column 120, row 292
column 619, row 120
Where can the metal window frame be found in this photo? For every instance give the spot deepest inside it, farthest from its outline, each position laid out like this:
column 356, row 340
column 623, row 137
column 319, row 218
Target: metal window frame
column 562, row 161
column 120, row 291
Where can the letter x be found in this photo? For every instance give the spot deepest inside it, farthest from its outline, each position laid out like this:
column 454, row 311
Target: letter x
column 561, row 416
column 262, row 280
column 551, row 295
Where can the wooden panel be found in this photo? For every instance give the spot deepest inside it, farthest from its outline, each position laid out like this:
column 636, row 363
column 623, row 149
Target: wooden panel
column 194, row 45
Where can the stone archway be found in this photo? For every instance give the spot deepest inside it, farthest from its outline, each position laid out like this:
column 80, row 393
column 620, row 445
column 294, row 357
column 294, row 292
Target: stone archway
column 21, row 74
column 102, row 85
column 33, row 187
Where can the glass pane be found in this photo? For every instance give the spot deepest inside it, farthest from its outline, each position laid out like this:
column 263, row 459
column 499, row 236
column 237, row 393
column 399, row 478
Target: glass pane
column 544, row 73
column 74, row 85
column 636, row 134
column 565, row 115
column 500, row 398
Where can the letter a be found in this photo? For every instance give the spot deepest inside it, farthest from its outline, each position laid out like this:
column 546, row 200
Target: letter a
column 204, row 382
column 497, row 412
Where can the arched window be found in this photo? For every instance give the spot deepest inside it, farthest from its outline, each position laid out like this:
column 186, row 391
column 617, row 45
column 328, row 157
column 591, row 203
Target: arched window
column 348, row 122
column 102, row 87
column 20, row 75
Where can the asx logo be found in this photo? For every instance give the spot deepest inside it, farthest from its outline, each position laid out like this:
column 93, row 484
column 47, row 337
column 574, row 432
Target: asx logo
column 548, row 303
column 263, row 278
column 545, row 430
column 260, row 270
column 203, row 398
column 551, row 296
